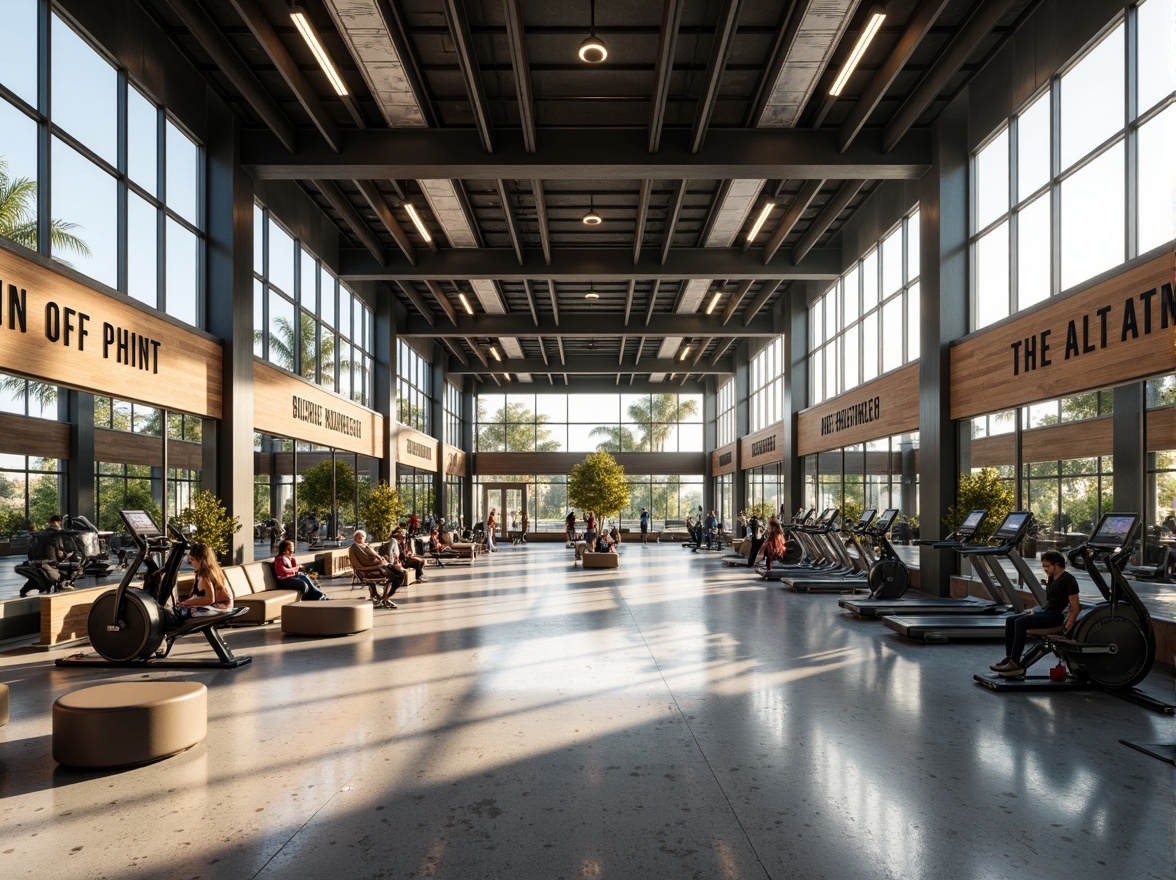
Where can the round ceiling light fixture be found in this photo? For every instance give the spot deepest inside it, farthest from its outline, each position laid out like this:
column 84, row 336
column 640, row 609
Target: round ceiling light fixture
column 592, row 294
column 593, row 50
column 591, row 218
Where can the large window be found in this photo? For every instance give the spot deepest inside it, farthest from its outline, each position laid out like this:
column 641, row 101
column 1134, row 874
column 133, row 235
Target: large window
column 879, row 474
column 867, row 323
column 413, row 396
column 1084, row 176
column 726, row 413
column 766, row 401
column 588, row 422
column 304, row 320
column 452, row 415
column 154, row 250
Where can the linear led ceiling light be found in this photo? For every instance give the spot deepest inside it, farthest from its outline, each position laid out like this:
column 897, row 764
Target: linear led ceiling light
column 685, row 353
column 873, row 23
column 760, row 220
column 416, row 221
column 593, row 50
column 714, row 301
column 495, row 354
column 302, row 22
column 465, row 303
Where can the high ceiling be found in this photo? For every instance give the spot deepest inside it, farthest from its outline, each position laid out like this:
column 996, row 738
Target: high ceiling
column 480, row 115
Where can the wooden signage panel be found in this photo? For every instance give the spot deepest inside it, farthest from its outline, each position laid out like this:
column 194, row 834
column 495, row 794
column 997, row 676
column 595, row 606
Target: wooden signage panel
column 762, row 447
column 723, row 460
column 456, row 461
column 287, row 406
column 1113, row 332
column 23, row 435
column 886, row 406
column 417, row 450
column 57, row 330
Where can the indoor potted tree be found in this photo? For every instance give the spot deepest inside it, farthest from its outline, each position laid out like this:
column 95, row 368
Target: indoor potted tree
column 380, row 511
column 208, row 522
column 598, row 484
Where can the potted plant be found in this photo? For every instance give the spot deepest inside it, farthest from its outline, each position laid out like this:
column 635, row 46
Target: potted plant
column 208, row 522
column 982, row 490
column 598, row 484
column 380, row 511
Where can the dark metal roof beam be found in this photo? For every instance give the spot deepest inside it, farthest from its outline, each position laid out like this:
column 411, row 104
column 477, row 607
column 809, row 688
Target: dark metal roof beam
column 516, row 38
column 736, row 299
column 295, row 79
column 351, row 217
column 582, row 264
column 672, row 218
column 588, row 154
column 467, row 59
column 825, row 219
column 531, row 302
column 601, row 326
column 415, row 299
column 721, row 349
column 985, row 14
column 799, row 205
column 757, row 304
column 582, row 365
column 442, row 300
column 455, row 349
column 667, row 41
column 479, row 354
column 208, row 33
column 720, row 50
column 380, row 206
column 917, row 26
column 642, row 213
column 629, row 300
column 541, row 217
column 511, row 227
column 652, row 300
column 554, row 301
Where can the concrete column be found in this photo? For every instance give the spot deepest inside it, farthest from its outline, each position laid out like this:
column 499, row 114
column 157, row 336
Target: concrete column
column 795, row 316
column 76, row 408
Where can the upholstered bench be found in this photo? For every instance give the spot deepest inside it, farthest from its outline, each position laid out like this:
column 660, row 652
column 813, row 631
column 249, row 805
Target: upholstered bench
column 120, row 725
column 338, row 618
column 601, row 560
column 255, row 586
column 3, row 704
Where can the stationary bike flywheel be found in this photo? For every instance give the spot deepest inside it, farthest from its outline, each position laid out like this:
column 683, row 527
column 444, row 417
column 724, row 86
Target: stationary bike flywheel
column 140, row 627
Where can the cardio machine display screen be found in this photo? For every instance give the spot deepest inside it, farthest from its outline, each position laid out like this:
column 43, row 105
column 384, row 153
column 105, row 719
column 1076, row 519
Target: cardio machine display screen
column 973, row 521
column 866, row 518
column 1115, row 530
column 1012, row 524
column 884, row 522
column 140, row 522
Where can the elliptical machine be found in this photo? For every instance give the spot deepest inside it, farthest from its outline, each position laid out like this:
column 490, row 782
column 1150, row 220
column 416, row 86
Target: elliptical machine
column 129, row 626
column 1113, row 644
column 86, row 557
column 889, row 576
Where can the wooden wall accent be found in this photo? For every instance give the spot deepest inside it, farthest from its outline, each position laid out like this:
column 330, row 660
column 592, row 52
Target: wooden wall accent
column 123, row 447
column 989, row 371
column 547, row 463
column 328, row 419
column 456, row 461
column 724, row 459
column 1161, row 429
column 22, row 435
column 763, row 447
column 994, row 451
column 886, row 406
column 57, row 330
column 417, row 450
column 1074, row 440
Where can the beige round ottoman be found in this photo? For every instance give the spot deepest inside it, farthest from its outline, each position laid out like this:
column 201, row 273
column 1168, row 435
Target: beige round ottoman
column 337, row 618
column 3, row 704
column 120, row 725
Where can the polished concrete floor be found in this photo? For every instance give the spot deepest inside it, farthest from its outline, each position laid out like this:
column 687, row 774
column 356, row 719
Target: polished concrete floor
column 521, row 718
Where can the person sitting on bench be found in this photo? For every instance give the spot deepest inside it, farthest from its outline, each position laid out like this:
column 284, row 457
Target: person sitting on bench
column 371, row 567
column 401, row 553
column 1060, row 609
column 774, row 545
column 290, row 576
column 712, row 529
column 211, row 594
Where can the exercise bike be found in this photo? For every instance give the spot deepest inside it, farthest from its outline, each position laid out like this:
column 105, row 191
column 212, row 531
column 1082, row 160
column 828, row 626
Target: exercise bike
column 1113, row 644
column 133, row 626
column 84, row 557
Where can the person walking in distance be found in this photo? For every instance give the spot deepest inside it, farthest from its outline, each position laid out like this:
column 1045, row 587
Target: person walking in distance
column 644, row 526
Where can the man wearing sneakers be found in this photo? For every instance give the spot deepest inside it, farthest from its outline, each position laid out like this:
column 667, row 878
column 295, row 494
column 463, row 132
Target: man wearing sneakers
column 1060, row 609
column 644, row 525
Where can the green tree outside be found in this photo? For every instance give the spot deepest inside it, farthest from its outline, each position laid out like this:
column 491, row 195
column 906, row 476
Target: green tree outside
column 514, row 428
column 315, row 491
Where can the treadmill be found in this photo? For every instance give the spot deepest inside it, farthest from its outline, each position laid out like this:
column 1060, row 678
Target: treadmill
column 858, row 576
column 939, row 628
column 961, row 537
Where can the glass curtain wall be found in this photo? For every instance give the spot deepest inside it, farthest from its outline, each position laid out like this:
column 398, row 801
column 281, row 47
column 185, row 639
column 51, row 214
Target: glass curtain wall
column 413, row 389
column 31, row 486
column 416, row 492
column 766, row 381
column 879, row 474
column 64, row 115
column 1160, row 507
column 765, row 490
column 1051, row 212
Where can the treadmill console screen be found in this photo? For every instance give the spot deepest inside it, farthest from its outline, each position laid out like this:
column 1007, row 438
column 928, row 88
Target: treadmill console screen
column 826, row 516
column 972, row 522
column 1012, row 526
column 885, row 521
column 867, row 517
column 1115, row 530
column 140, row 522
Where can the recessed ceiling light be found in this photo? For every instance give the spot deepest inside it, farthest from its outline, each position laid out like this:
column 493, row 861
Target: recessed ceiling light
column 593, row 50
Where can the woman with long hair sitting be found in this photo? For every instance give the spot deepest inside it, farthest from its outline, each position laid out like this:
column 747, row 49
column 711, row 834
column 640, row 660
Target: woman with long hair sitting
column 290, row 576
column 211, row 593
column 774, row 546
